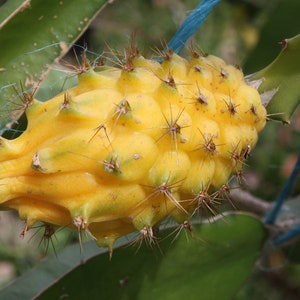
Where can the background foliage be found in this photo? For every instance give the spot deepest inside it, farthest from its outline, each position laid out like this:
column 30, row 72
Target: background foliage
column 242, row 32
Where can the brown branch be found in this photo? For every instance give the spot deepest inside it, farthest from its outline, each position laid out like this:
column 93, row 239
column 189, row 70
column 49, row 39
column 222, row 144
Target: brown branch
column 243, row 200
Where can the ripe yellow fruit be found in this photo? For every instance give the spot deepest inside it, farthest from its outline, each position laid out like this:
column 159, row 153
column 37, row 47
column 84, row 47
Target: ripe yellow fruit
column 130, row 146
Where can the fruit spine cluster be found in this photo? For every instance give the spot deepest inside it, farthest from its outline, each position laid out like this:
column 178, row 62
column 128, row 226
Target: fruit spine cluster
column 132, row 145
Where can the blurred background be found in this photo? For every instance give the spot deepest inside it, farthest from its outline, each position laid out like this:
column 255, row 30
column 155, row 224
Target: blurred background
column 243, row 32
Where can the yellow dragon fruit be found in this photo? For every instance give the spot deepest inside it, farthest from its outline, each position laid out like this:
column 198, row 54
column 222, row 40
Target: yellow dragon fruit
column 129, row 146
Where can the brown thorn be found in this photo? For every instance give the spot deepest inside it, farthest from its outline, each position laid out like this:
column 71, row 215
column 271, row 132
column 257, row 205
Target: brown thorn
column 81, row 224
column 231, row 107
column 148, row 234
column 209, row 146
column 97, row 129
column 84, row 65
column 240, row 178
column 253, row 110
column 170, row 81
column 224, row 74
column 165, row 55
column 130, row 53
column 198, row 68
column 186, row 225
column 49, row 231
column 207, row 202
column 121, row 109
column 81, row 66
column 24, row 230
column 124, row 60
column 25, row 97
column 247, row 151
column 167, row 190
column 239, row 157
column 46, row 239
column 196, row 51
column 36, row 163
column 112, row 166
column 66, row 102
column 172, row 128
column 200, row 98
column 224, row 194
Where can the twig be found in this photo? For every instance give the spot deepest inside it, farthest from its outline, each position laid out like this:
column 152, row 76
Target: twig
column 246, row 201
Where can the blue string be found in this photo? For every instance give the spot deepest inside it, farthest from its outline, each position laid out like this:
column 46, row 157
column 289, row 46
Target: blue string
column 273, row 213
column 191, row 25
column 287, row 236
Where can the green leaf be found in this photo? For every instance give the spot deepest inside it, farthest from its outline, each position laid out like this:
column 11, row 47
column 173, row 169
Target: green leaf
column 56, row 82
column 33, row 39
column 213, row 262
column 282, row 78
column 10, row 8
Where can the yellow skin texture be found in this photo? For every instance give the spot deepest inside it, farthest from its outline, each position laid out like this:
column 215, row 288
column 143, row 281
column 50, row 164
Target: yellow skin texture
column 127, row 148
